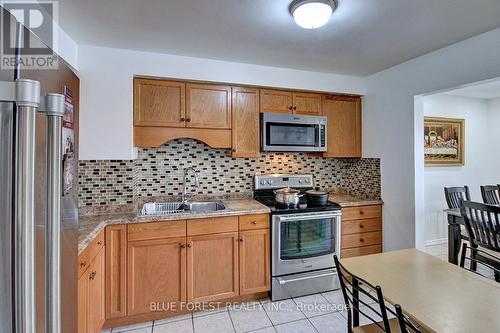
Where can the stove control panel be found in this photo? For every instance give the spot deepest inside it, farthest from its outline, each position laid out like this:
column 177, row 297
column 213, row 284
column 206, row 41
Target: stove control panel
column 275, row 181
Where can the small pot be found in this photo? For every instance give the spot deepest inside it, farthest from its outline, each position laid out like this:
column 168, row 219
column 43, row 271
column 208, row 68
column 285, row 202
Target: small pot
column 317, row 198
column 288, row 196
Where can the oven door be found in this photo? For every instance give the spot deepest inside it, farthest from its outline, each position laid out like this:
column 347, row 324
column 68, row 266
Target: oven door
column 304, row 242
column 293, row 133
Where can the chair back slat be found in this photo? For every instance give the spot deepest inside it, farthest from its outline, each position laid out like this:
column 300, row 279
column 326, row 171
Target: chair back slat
column 482, row 223
column 480, row 257
column 455, row 195
column 490, row 194
column 353, row 288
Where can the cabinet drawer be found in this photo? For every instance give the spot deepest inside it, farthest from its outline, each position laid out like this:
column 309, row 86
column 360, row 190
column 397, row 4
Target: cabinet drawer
column 358, row 226
column 363, row 239
column 360, row 251
column 361, row 212
column 90, row 253
column 212, row 225
column 83, row 262
column 156, row 230
column 253, row 222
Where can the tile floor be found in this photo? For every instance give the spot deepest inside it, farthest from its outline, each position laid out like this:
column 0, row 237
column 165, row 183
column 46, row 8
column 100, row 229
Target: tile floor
column 320, row 313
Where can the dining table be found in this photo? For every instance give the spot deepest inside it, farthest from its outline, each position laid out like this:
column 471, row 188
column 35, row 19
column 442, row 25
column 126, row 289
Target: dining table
column 436, row 295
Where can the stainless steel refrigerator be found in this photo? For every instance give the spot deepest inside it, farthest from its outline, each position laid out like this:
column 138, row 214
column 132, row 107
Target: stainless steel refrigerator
column 38, row 201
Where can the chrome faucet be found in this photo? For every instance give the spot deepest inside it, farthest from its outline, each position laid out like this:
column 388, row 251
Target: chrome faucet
column 187, row 196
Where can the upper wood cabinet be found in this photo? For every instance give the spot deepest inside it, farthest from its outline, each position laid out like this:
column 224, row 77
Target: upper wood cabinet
column 344, row 126
column 212, row 267
column 282, row 101
column 208, row 106
column 245, row 128
column 159, row 102
column 278, row 101
column 156, row 273
column 307, row 104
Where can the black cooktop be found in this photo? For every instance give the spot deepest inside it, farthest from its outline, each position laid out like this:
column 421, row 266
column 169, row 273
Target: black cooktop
column 266, row 197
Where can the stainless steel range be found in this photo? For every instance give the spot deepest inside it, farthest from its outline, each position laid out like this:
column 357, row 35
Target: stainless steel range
column 304, row 239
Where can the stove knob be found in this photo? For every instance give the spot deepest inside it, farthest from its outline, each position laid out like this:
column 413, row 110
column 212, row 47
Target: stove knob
column 269, row 182
column 300, row 181
column 307, row 181
column 262, row 182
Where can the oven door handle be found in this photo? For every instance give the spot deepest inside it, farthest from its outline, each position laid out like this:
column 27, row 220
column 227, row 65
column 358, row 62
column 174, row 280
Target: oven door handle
column 283, row 281
column 300, row 217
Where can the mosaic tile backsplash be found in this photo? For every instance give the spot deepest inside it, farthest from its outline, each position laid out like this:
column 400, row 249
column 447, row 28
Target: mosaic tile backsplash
column 159, row 172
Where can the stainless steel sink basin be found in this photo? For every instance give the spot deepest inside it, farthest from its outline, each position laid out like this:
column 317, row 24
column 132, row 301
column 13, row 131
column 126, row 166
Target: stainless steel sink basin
column 166, row 208
column 205, row 206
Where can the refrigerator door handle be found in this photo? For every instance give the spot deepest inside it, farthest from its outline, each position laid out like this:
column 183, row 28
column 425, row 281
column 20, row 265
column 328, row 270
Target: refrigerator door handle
column 53, row 106
column 27, row 99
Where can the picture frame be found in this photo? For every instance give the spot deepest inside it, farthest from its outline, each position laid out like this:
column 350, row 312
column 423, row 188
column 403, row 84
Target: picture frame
column 444, row 141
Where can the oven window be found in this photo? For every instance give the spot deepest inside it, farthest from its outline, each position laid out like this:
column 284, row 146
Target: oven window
column 305, row 239
column 279, row 134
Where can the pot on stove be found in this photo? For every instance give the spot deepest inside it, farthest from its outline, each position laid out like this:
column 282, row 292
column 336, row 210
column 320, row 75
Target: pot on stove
column 288, row 196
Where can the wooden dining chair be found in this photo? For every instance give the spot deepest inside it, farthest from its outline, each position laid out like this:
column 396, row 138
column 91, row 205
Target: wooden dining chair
column 478, row 260
column 490, row 194
column 482, row 222
column 455, row 195
column 357, row 298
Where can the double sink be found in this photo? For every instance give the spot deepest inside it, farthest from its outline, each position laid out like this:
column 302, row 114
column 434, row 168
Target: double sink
column 167, row 208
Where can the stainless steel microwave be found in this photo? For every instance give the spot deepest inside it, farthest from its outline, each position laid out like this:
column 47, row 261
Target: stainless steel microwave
column 293, row 132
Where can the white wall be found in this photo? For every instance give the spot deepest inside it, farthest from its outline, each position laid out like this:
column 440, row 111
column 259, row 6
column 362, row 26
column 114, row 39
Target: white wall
column 106, row 90
column 494, row 131
column 389, row 124
column 478, row 159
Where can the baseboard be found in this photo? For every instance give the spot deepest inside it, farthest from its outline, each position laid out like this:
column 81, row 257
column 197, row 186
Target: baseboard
column 438, row 241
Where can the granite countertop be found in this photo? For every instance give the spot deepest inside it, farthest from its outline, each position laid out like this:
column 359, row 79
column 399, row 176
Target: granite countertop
column 347, row 200
column 91, row 226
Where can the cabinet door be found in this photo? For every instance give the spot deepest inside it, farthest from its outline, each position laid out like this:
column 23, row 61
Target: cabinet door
column 344, row 126
column 279, row 101
column 212, row 267
column 307, row 104
column 254, row 261
column 159, row 103
column 83, row 298
column 156, row 273
column 208, row 106
column 96, row 294
column 116, row 271
column 245, row 129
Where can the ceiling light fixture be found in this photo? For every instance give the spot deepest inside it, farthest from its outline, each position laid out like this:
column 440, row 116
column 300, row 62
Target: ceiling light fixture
column 312, row 14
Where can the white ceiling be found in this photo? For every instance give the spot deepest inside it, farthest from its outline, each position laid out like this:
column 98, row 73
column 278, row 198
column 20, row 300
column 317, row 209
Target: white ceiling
column 361, row 38
column 488, row 90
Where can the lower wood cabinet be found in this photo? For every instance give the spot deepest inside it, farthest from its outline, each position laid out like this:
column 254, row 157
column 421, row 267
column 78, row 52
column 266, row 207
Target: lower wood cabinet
column 212, row 262
column 91, row 296
column 361, row 231
column 197, row 260
column 156, row 273
column 254, row 261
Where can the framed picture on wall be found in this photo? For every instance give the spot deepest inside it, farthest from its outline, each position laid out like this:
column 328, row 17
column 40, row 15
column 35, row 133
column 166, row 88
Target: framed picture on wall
column 444, row 141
